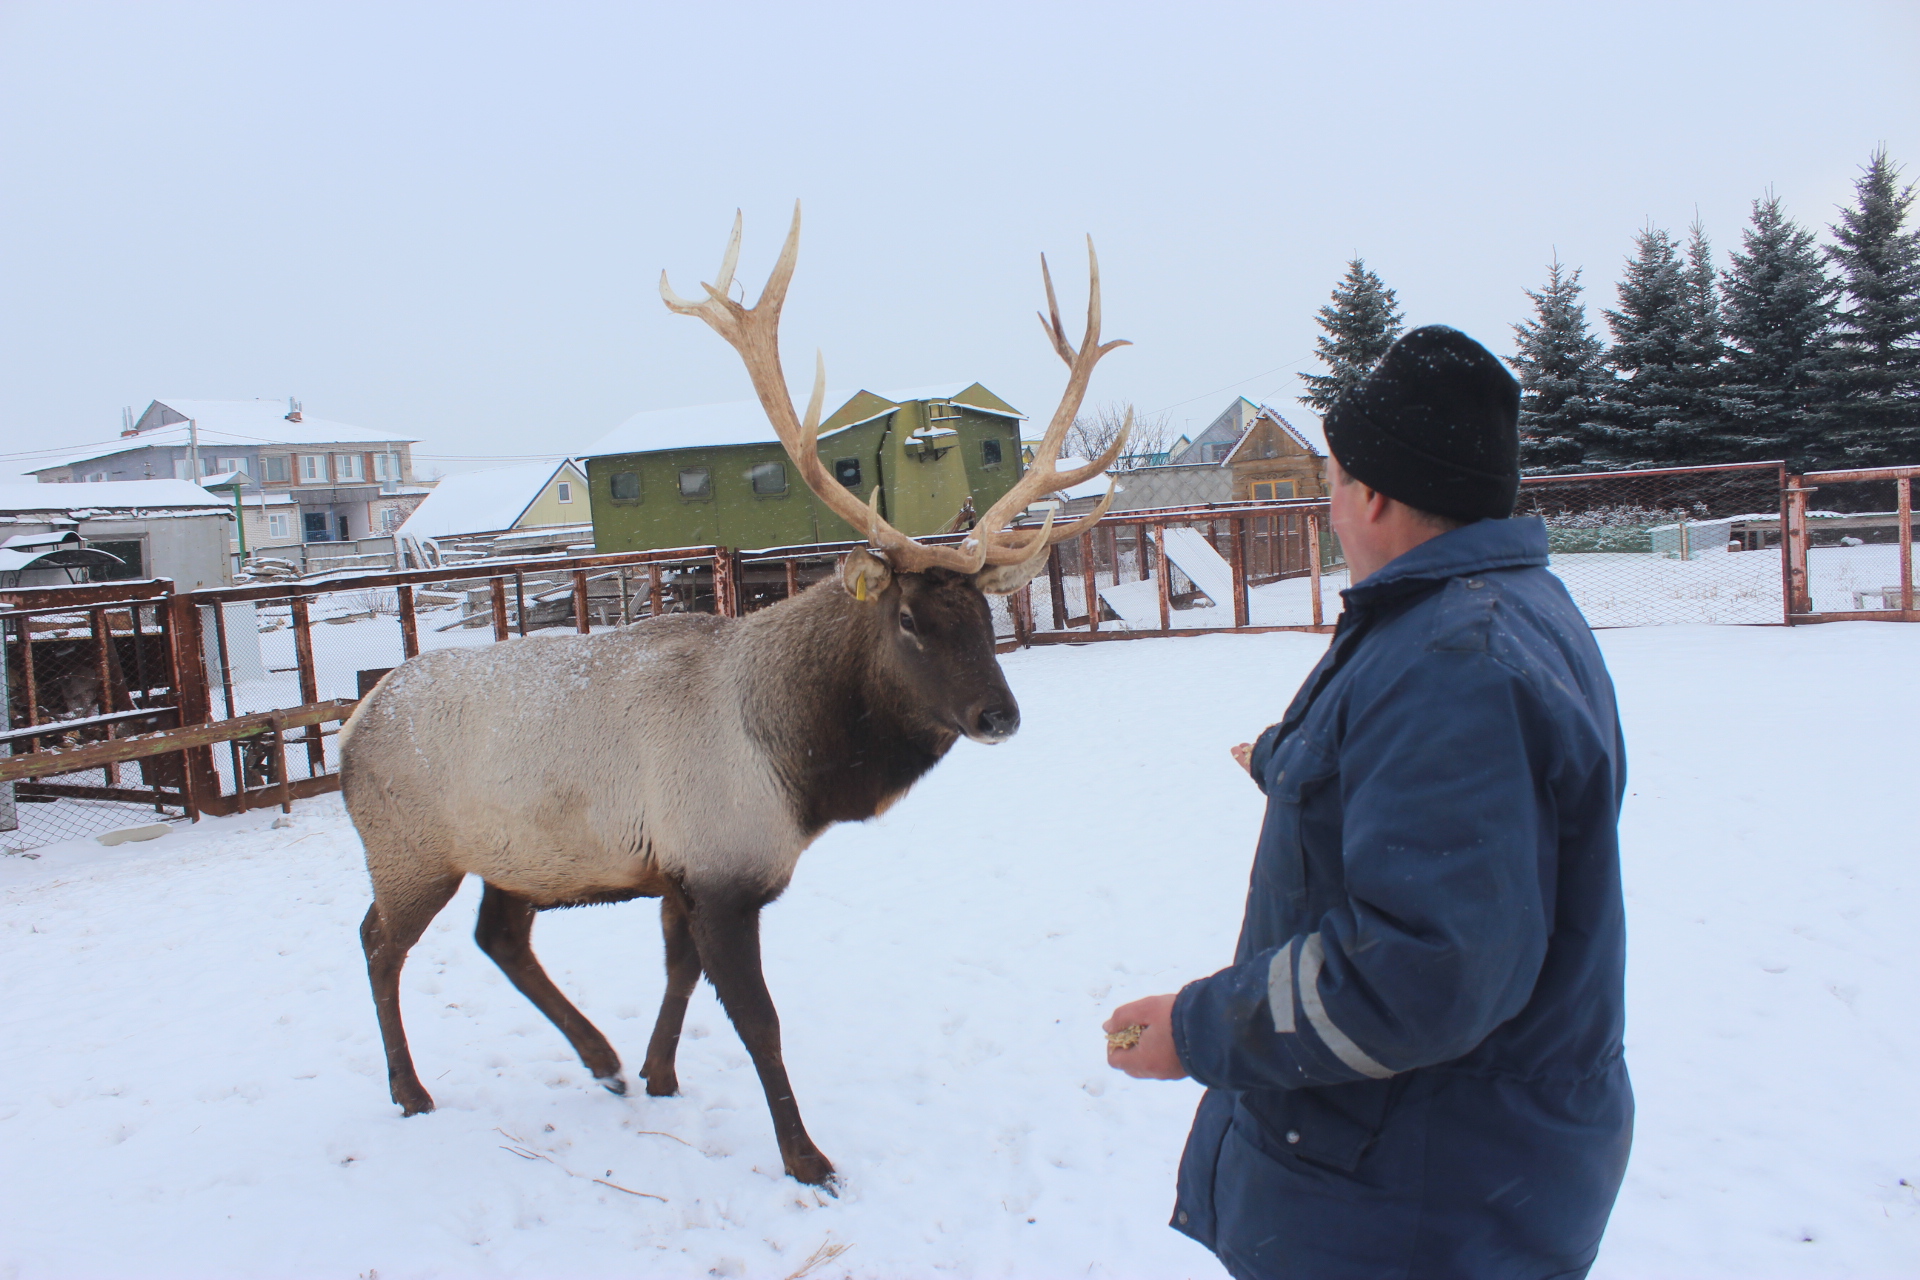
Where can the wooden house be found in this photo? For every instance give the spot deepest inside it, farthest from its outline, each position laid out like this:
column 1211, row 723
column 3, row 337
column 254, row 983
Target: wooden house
column 715, row 474
column 1275, row 460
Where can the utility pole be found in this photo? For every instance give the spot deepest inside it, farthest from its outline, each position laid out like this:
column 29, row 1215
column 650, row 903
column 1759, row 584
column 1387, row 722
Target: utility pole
column 193, row 450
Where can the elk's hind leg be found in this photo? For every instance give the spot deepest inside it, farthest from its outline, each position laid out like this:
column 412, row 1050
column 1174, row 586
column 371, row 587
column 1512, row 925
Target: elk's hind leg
column 683, row 975
column 393, row 924
column 505, row 932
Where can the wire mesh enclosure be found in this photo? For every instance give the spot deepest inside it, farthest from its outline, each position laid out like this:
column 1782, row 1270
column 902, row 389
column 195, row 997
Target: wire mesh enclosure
column 1657, row 547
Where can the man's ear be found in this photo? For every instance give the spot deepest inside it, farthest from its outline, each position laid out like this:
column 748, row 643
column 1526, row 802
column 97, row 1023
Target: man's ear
column 864, row 574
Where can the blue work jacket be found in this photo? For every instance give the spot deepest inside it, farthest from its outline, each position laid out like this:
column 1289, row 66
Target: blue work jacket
column 1414, row 1064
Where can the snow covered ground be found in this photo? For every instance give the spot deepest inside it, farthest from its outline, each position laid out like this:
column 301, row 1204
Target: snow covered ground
column 191, row 1081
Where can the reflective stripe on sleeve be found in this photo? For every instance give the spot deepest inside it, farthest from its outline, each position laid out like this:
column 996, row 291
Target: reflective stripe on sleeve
column 1312, row 956
column 1280, row 989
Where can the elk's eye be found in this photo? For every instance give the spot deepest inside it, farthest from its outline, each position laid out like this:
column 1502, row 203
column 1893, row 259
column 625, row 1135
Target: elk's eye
column 907, row 623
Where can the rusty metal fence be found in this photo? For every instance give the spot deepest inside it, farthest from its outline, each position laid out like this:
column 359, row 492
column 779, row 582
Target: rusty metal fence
column 126, row 700
column 1850, row 547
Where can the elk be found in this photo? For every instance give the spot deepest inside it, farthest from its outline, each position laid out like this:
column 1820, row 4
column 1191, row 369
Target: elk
column 691, row 757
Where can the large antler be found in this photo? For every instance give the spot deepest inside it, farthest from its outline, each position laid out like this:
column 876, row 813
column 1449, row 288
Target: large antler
column 755, row 333
column 1043, row 477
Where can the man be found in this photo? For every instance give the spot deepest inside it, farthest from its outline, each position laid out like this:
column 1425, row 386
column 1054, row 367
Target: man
column 1414, row 1063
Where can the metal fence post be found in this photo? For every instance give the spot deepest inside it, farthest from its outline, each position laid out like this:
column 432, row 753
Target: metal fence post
column 309, row 682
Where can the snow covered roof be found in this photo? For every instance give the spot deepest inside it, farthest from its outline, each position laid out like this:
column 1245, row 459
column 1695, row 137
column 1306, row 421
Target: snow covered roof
column 741, row 422
column 234, row 422
column 483, row 501
column 1304, row 425
column 235, row 476
column 110, row 495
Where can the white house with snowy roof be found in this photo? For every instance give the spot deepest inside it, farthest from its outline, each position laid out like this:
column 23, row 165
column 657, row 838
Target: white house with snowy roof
column 528, row 498
column 344, row 482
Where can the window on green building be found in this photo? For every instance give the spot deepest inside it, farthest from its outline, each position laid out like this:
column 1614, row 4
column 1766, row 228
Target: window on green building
column 769, row 478
column 696, row 482
column 847, row 472
column 989, row 453
column 626, row 486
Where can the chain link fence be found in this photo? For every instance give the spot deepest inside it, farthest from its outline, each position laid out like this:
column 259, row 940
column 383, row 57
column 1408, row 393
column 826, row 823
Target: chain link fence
column 76, row 676
column 1659, row 547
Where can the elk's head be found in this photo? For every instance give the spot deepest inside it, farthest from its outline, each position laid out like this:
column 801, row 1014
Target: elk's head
column 934, row 628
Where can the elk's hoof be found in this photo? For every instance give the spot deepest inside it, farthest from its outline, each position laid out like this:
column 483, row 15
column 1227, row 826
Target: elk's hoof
column 413, row 1103
column 614, row 1084
column 815, row 1170
column 663, row 1085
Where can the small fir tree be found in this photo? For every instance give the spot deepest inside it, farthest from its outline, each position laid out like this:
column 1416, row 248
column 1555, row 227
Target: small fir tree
column 1361, row 323
column 1563, row 375
column 1778, row 394
column 1648, row 400
column 1877, row 334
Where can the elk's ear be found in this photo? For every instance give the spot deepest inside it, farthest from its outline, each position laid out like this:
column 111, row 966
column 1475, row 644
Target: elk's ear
column 865, row 574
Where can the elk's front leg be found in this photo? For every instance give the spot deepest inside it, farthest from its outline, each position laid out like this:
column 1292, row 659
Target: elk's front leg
column 683, row 974
column 726, row 928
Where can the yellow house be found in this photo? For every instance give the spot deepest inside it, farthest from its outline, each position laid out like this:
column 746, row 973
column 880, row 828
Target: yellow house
column 527, row 496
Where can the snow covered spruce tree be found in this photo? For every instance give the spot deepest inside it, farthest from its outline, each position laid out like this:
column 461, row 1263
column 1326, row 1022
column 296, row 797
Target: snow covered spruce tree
column 1778, row 396
column 1648, row 400
column 1877, row 332
column 1361, row 323
column 1563, row 376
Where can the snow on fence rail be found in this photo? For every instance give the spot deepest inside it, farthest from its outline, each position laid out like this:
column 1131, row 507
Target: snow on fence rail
column 128, row 699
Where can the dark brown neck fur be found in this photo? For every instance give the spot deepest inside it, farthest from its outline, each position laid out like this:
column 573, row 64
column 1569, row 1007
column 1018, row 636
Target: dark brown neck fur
column 844, row 739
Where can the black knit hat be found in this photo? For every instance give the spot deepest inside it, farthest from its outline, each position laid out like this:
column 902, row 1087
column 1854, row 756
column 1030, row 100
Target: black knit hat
column 1434, row 425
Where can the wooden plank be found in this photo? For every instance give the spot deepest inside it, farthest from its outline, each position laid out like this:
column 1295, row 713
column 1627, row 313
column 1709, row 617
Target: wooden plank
column 73, row 791
column 498, row 588
column 41, row 764
column 1313, row 564
column 79, row 596
column 266, row 797
column 1163, row 584
column 1088, row 587
column 309, row 681
column 1904, row 489
column 1858, row 615
column 1237, row 559
column 451, row 573
column 520, row 604
column 581, row 622
column 409, row 622
column 86, row 722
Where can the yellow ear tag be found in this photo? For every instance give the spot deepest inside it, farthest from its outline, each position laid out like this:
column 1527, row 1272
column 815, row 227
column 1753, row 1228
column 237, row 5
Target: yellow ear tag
column 860, row 586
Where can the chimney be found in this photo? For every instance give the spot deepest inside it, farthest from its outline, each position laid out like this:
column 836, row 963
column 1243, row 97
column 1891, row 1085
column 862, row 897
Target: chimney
column 126, row 421
column 293, row 410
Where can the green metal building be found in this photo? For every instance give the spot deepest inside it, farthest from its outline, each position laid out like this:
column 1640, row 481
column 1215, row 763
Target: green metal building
column 716, row 475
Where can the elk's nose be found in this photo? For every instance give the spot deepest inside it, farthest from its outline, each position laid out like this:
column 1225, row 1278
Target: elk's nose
column 996, row 724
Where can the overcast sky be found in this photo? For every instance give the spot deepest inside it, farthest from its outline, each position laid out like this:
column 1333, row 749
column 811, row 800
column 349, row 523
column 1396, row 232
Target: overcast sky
column 448, row 219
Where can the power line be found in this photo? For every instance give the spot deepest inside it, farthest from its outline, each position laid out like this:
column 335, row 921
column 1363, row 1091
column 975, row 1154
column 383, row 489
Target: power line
column 1231, row 385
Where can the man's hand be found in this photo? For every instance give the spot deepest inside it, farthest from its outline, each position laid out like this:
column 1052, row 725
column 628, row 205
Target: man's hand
column 1154, row 1058
column 1243, row 756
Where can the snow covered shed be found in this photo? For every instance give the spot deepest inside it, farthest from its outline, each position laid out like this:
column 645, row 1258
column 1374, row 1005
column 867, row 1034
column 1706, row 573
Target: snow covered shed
column 153, row 528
